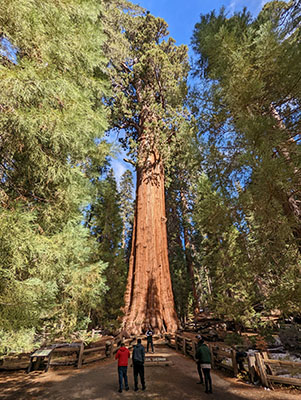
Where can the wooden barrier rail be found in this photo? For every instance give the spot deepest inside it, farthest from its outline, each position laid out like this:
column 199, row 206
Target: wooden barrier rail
column 258, row 364
column 268, row 374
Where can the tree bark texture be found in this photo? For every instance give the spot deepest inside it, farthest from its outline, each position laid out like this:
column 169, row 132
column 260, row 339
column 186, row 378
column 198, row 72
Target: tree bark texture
column 149, row 298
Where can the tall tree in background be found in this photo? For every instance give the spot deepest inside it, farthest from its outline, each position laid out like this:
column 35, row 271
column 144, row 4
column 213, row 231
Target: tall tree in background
column 182, row 246
column 250, row 118
column 127, row 208
column 149, row 86
column 50, row 116
column 105, row 225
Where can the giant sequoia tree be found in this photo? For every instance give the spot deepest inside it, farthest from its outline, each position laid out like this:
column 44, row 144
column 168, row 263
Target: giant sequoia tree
column 149, row 88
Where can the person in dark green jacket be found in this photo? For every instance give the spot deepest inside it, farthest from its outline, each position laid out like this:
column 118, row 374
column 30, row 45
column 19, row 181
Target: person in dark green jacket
column 204, row 359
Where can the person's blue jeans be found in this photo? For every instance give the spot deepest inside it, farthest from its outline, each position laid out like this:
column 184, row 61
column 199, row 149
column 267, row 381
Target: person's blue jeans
column 122, row 375
column 150, row 342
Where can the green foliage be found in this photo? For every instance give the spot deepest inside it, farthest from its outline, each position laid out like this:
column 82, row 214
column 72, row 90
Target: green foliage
column 233, row 339
column 105, row 225
column 21, row 341
column 127, row 208
column 149, row 84
column 248, row 205
column 51, row 115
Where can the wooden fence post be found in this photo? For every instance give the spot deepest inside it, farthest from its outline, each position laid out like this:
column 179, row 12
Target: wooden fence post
column 261, row 368
column 80, row 356
column 184, row 346
column 251, row 367
column 177, row 344
column 268, row 367
column 234, row 363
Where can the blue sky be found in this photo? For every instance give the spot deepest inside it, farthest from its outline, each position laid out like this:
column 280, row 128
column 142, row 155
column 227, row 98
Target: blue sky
column 181, row 17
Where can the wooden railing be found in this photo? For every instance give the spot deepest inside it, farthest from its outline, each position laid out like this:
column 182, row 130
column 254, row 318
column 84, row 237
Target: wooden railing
column 222, row 356
column 66, row 354
column 268, row 369
column 85, row 355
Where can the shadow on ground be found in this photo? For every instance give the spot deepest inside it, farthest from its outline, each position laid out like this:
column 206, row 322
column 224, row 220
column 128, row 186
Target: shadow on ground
column 176, row 382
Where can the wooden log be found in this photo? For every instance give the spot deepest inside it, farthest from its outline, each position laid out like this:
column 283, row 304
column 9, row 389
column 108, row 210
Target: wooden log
column 80, row 356
column 93, row 349
column 261, row 368
column 279, row 363
column 284, row 380
column 15, row 363
column 234, row 363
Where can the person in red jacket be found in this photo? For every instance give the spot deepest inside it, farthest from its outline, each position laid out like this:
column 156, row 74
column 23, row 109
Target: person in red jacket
column 123, row 356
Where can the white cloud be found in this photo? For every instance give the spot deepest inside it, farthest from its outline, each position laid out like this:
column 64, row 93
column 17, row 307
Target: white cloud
column 119, row 169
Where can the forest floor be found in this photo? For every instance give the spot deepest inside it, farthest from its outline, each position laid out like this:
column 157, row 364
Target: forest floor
column 100, row 382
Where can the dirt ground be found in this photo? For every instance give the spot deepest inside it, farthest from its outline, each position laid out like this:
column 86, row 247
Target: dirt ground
column 99, row 382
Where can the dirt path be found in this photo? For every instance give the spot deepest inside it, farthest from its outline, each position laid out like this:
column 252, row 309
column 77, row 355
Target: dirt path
column 175, row 382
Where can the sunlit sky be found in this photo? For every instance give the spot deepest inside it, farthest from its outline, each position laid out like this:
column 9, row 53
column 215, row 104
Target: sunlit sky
column 181, row 16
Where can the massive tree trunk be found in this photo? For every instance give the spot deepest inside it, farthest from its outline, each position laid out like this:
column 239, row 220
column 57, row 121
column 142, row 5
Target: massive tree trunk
column 149, row 297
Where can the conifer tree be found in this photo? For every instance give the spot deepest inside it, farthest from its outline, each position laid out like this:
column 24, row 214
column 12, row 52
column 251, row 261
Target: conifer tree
column 50, row 116
column 149, row 87
column 127, row 207
column 105, row 224
column 249, row 116
column 256, row 100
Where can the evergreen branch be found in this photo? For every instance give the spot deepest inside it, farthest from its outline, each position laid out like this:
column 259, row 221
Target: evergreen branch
column 128, row 160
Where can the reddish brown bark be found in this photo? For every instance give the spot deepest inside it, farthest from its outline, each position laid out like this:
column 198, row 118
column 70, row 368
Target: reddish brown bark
column 149, row 297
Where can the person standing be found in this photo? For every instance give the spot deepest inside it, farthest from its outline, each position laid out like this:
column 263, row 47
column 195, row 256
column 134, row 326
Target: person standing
column 198, row 362
column 122, row 356
column 204, row 357
column 149, row 338
column 138, row 364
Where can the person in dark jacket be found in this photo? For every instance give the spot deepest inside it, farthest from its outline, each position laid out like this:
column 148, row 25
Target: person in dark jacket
column 138, row 364
column 122, row 356
column 204, row 357
column 149, row 338
column 198, row 362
